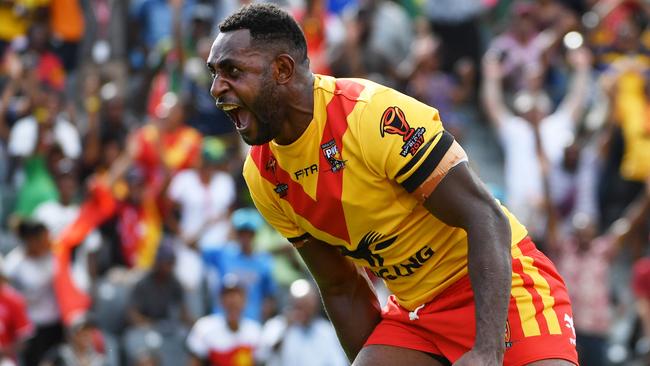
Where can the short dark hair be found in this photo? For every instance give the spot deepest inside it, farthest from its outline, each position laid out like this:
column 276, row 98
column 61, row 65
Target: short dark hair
column 29, row 228
column 267, row 22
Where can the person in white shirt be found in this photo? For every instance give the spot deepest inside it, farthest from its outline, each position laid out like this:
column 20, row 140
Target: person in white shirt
column 204, row 197
column 301, row 337
column 30, row 269
column 226, row 339
column 44, row 128
column 534, row 137
column 57, row 215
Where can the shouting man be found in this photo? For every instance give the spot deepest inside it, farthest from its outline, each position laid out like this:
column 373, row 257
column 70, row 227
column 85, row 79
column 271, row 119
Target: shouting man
column 356, row 174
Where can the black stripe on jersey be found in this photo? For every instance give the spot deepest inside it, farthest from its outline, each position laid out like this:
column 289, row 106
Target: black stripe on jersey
column 430, row 163
column 300, row 238
column 417, row 156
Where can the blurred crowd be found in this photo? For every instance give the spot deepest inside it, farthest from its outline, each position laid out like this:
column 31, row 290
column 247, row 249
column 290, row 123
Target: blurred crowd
column 128, row 235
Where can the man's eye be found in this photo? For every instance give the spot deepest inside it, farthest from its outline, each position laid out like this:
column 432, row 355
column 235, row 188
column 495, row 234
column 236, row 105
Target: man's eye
column 234, row 71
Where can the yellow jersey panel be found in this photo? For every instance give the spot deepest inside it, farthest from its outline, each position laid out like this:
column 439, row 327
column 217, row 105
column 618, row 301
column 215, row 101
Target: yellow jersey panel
column 348, row 181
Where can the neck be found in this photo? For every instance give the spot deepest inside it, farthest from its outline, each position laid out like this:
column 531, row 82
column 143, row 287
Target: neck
column 204, row 176
column 233, row 324
column 300, row 108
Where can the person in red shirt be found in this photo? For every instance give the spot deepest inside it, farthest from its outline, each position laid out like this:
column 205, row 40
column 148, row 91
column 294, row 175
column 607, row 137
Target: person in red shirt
column 15, row 325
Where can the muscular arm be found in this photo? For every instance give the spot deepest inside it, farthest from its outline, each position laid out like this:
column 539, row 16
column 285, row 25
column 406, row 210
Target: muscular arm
column 348, row 296
column 461, row 200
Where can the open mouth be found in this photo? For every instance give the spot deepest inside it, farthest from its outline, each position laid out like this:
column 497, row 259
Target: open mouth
column 233, row 111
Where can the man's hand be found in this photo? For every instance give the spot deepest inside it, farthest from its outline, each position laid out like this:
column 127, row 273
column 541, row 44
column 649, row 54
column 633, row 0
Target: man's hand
column 461, row 200
column 475, row 358
column 580, row 59
column 492, row 66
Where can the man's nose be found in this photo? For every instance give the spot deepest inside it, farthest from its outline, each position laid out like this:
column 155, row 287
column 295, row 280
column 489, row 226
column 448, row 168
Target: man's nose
column 219, row 86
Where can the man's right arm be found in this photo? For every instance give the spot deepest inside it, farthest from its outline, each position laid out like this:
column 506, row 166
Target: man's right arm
column 347, row 293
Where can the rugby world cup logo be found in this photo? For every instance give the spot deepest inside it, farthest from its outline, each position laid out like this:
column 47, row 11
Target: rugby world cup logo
column 394, row 122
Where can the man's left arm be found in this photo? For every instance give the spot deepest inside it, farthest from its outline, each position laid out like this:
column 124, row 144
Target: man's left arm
column 461, row 200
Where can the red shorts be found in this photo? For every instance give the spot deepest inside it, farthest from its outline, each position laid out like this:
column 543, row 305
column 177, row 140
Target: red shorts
column 540, row 322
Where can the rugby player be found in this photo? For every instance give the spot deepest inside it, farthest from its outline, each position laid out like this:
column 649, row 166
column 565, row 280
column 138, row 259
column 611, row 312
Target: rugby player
column 355, row 175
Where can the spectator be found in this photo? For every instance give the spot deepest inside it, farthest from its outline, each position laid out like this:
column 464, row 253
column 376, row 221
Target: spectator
column 254, row 269
column 15, row 326
column 158, row 296
column 456, row 22
column 41, row 138
column 301, row 337
column 227, row 339
column 139, row 222
column 204, row 196
column 67, row 26
column 433, row 86
column 29, row 268
column 378, row 39
column 15, row 19
column 158, row 315
column 521, row 46
column 83, row 347
column 584, row 261
column 167, row 144
column 534, row 139
column 57, row 215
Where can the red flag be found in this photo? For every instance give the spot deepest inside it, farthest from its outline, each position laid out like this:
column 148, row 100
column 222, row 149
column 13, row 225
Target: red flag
column 73, row 302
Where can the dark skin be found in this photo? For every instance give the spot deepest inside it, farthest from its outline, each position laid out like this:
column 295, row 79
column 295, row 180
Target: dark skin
column 241, row 69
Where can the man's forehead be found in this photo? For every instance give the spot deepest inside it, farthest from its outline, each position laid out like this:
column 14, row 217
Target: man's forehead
column 232, row 43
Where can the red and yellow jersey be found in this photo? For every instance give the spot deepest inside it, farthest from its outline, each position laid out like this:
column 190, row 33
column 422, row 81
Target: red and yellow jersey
column 356, row 178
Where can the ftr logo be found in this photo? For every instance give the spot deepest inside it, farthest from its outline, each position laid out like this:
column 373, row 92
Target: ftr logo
column 394, row 122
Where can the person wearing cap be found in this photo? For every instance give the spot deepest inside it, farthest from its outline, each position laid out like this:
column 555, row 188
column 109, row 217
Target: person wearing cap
column 228, row 339
column 253, row 268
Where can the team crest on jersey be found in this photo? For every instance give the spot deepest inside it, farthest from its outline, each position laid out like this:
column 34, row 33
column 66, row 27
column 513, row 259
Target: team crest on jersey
column 280, row 188
column 333, row 156
column 394, row 122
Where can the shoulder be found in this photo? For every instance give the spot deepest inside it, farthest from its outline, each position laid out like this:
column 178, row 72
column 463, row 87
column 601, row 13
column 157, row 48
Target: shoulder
column 12, row 261
column 25, row 123
column 184, row 177
column 208, row 324
column 46, row 210
column 251, row 328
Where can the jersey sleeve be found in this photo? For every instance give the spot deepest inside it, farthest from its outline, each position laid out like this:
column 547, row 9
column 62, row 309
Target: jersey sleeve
column 263, row 198
column 196, row 340
column 404, row 140
column 22, row 326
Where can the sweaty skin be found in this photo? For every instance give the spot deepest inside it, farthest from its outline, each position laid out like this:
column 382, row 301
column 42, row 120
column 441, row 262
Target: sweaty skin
column 267, row 92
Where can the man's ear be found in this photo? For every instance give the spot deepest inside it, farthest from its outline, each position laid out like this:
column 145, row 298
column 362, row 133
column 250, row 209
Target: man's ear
column 285, row 67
